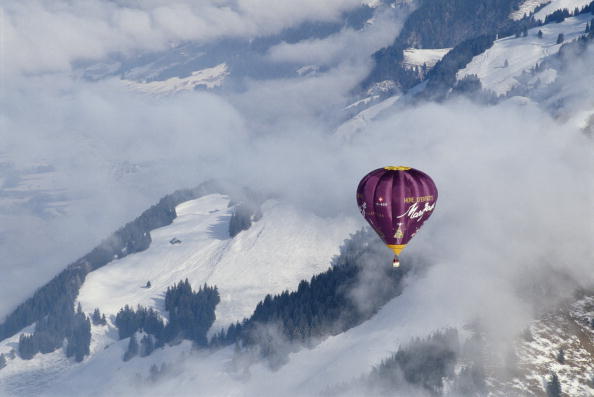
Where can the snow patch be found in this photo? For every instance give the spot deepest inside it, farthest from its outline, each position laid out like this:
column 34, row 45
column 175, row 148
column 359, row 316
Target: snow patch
column 209, row 78
column 414, row 57
column 353, row 126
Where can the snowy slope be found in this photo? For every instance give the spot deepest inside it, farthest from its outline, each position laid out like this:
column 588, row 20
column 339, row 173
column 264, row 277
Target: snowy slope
column 307, row 373
column 415, row 57
column 527, row 7
column 521, row 54
column 559, row 5
column 209, row 78
column 273, row 255
column 284, row 247
column 352, row 126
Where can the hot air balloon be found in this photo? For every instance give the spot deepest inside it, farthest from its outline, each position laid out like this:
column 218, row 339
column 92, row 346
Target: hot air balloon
column 396, row 201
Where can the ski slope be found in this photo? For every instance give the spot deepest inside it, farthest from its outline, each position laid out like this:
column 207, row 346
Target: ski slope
column 521, row 54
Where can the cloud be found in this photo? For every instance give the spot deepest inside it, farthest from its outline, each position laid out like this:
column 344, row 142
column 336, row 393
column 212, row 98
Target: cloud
column 49, row 36
column 339, row 47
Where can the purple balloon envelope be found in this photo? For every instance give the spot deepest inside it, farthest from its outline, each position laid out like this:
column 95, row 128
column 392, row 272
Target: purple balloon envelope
column 396, row 201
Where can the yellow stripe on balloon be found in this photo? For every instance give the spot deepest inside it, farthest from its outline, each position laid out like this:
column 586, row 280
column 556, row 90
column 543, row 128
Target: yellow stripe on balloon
column 397, row 248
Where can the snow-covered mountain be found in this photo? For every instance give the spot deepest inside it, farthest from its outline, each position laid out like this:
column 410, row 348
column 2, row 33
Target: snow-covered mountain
column 271, row 256
column 294, row 103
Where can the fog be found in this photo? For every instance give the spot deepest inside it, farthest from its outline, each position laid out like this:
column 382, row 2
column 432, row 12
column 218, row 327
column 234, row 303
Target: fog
column 515, row 182
column 43, row 35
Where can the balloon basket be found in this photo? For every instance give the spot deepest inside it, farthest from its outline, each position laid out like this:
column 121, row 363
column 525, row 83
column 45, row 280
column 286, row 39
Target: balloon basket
column 396, row 262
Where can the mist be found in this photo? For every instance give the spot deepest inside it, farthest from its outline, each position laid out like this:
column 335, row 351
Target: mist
column 515, row 179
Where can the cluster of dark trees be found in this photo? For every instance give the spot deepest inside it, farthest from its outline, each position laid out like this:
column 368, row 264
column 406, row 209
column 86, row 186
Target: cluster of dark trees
column 97, row 318
column 129, row 321
column 146, row 347
column 50, row 332
column 424, row 363
column 191, row 314
column 359, row 282
column 242, row 217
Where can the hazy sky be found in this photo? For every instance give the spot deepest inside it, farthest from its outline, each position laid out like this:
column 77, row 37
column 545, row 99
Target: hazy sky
column 515, row 183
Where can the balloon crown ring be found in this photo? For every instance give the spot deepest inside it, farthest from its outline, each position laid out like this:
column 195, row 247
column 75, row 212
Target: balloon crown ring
column 399, row 168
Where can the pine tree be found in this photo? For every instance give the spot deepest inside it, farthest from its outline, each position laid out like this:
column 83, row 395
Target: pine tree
column 2, row 361
column 146, row 345
column 524, row 31
column 27, row 347
column 539, row 34
column 79, row 340
column 97, row 318
column 132, row 348
column 554, row 387
column 560, row 38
